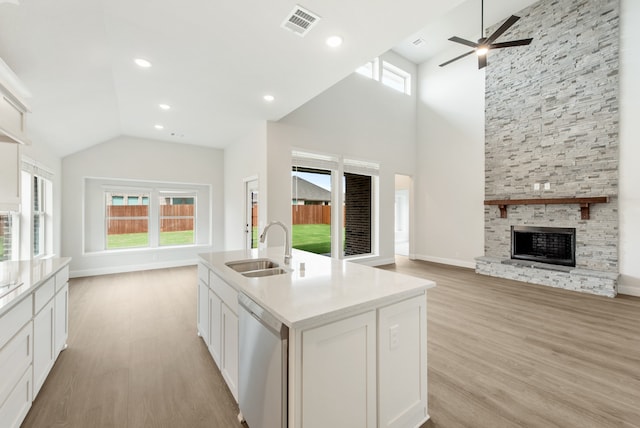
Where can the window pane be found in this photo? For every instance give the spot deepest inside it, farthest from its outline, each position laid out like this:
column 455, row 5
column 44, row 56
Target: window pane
column 357, row 207
column 177, row 220
column 311, row 210
column 132, row 200
column 127, row 225
column 7, row 235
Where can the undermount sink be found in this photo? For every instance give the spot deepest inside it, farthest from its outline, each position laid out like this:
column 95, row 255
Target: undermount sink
column 251, row 265
column 264, row 272
column 255, row 268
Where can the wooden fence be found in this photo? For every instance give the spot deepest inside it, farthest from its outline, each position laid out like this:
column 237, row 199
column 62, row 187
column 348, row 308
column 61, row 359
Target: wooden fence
column 138, row 215
column 311, row 214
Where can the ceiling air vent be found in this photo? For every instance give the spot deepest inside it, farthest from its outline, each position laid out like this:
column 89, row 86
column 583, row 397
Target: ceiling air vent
column 418, row 42
column 300, row 21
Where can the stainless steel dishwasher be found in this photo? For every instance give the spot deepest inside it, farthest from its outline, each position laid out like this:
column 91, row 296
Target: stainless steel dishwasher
column 263, row 366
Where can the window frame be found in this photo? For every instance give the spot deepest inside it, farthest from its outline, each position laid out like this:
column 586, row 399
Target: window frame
column 177, row 194
column 400, row 74
column 125, row 194
column 338, row 165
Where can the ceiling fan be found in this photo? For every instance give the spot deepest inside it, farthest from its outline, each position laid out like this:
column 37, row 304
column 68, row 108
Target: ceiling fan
column 485, row 44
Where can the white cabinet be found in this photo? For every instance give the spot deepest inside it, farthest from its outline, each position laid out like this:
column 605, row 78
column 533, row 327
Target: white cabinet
column 203, row 311
column 402, row 363
column 9, row 177
column 61, row 324
column 16, row 357
column 229, row 361
column 215, row 331
column 339, row 374
column 218, row 324
column 43, row 345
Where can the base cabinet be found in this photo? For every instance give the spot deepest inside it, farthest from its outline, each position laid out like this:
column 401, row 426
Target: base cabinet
column 18, row 403
column 215, row 343
column 229, row 361
column 203, row 311
column 369, row 370
column 43, row 345
column 61, row 324
column 339, row 374
column 218, row 324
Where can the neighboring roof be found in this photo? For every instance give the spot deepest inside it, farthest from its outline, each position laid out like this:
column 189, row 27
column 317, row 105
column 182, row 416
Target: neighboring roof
column 304, row 190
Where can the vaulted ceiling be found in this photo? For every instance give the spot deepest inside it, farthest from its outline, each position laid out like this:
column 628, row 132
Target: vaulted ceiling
column 212, row 61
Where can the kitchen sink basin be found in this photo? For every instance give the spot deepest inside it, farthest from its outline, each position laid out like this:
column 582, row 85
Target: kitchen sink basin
column 252, row 265
column 264, row 272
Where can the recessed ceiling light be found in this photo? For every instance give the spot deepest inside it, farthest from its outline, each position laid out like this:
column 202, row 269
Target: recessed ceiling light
column 334, row 41
column 158, row 126
column 269, row 98
column 164, row 106
column 141, row 62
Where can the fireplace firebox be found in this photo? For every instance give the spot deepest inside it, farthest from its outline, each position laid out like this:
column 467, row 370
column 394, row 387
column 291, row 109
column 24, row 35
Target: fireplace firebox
column 553, row 245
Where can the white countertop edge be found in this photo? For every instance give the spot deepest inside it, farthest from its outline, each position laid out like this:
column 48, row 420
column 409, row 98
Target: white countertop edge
column 236, row 280
column 25, row 267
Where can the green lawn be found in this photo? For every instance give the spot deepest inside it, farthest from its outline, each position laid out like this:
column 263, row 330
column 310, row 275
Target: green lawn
column 132, row 240
column 1, row 247
column 315, row 238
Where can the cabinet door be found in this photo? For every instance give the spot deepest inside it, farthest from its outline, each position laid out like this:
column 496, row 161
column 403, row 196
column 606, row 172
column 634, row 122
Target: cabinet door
column 15, row 408
column 339, row 374
column 402, row 363
column 203, row 312
column 43, row 342
column 9, row 177
column 61, row 326
column 229, row 362
column 215, row 327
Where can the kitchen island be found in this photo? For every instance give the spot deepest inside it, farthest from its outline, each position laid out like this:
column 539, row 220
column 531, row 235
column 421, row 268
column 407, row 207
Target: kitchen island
column 357, row 336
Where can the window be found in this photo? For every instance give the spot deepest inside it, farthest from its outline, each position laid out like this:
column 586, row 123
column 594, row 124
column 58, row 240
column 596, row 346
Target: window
column 8, row 236
column 34, row 223
column 370, row 69
column 316, row 227
column 136, row 215
column 127, row 225
column 39, row 216
column 177, row 219
column 396, row 78
column 311, row 210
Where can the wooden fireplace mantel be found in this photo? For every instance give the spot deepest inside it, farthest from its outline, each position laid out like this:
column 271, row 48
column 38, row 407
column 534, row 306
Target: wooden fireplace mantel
column 583, row 202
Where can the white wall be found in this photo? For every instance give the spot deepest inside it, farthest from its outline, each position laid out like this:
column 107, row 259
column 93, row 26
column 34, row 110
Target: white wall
column 359, row 118
column 450, row 156
column 243, row 159
column 629, row 192
column 137, row 159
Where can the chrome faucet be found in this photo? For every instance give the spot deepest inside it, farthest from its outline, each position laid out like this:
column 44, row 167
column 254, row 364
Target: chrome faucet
column 287, row 243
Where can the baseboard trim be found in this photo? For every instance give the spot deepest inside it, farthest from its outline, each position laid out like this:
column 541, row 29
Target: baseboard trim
column 629, row 289
column 131, row 268
column 445, row 261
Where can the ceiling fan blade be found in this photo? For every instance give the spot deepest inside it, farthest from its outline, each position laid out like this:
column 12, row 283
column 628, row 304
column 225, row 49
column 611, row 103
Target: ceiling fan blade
column 522, row 42
column 504, row 27
column 464, row 42
column 456, row 58
column 482, row 61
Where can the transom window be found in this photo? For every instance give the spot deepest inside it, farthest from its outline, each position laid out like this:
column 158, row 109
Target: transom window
column 396, row 78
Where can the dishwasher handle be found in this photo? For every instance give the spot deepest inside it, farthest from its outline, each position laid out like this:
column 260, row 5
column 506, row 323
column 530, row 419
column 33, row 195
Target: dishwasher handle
column 265, row 317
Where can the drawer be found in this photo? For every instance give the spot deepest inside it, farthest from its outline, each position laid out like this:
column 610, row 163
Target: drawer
column 15, row 319
column 62, row 277
column 203, row 274
column 15, row 358
column 17, row 405
column 227, row 293
column 43, row 294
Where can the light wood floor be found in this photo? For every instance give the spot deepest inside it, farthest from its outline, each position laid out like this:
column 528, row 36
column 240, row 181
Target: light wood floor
column 501, row 354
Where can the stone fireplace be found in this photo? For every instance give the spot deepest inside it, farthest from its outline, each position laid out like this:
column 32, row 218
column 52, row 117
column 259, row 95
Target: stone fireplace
column 551, row 141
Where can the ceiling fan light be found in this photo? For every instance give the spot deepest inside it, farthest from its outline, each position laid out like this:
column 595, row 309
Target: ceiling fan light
column 482, row 50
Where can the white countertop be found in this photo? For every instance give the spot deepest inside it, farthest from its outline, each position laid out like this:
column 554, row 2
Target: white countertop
column 24, row 276
column 327, row 289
